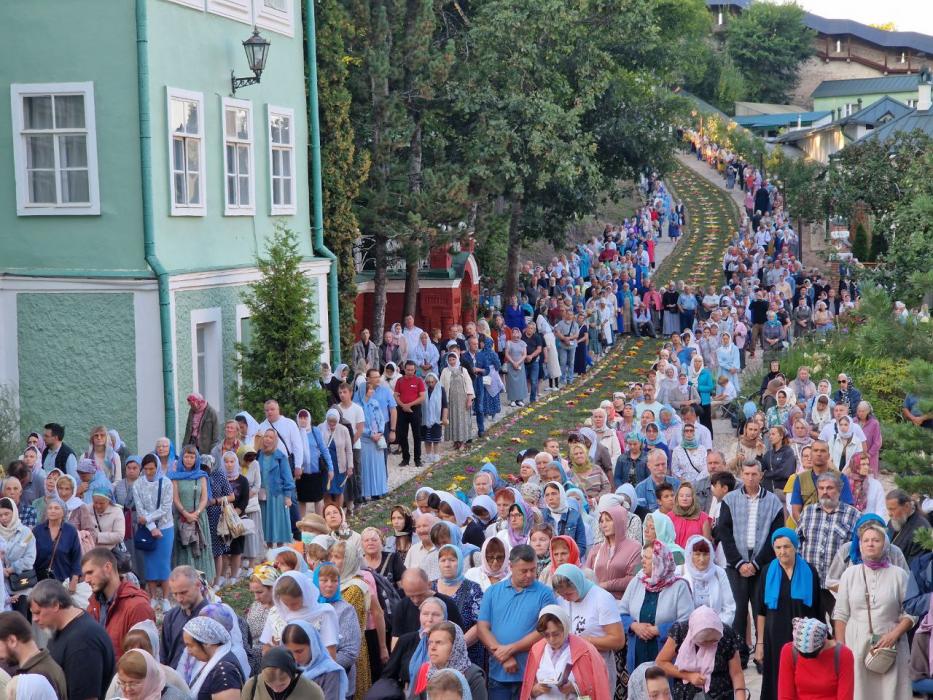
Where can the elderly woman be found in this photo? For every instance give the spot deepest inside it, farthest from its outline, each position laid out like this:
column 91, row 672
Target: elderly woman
column 688, row 460
column 866, row 420
column 109, row 525
column 18, row 546
column 58, row 546
column 843, row 444
column 456, row 382
column 653, row 601
column 708, row 581
column 338, row 441
column 869, row 615
column 411, row 650
column 434, row 416
column 790, row 589
column 703, row 654
column 591, row 477
column 728, row 361
column 51, row 479
column 447, row 649
column 140, row 676
column 79, row 514
column 494, row 563
column 562, row 664
column 593, row 612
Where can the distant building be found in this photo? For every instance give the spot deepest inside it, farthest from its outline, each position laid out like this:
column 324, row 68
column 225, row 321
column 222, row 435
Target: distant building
column 122, row 120
column 773, row 124
column 846, row 97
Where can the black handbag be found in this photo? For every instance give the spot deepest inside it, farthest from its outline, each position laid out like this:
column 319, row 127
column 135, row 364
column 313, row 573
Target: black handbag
column 21, row 581
column 143, row 538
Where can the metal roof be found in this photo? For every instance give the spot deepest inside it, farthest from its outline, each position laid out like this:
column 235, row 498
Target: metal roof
column 867, row 86
column 911, row 121
column 876, row 110
column 760, row 121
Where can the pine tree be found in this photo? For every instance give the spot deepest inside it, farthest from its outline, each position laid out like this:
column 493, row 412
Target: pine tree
column 282, row 360
column 860, row 243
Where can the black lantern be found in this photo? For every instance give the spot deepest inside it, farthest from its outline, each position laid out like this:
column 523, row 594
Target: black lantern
column 257, row 51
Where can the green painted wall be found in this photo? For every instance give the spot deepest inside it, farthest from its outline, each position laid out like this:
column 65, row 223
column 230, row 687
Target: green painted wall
column 76, row 41
column 77, row 359
column 821, row 103
column 195, row 50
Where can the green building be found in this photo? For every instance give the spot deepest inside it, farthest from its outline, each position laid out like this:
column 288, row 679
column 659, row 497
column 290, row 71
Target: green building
column 846, row 97
column 138, row 191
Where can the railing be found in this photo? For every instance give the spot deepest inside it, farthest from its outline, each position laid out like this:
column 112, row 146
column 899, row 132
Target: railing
column 855, row 58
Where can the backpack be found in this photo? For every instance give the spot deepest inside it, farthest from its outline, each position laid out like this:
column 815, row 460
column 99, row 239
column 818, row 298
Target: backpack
column 388, row 595
column 836, row 651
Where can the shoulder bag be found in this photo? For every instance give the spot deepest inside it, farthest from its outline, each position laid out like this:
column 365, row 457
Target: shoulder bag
column 288, row 452
column 142, row 538
column 48, row 572
column 880, row 660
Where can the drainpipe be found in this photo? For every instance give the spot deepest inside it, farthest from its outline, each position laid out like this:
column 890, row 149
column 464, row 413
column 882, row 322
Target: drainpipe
column 145, row 160
column 314, row 119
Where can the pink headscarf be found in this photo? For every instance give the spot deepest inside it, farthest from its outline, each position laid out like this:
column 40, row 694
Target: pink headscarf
column 663, row 569
column 697, row 657
column 154, row 683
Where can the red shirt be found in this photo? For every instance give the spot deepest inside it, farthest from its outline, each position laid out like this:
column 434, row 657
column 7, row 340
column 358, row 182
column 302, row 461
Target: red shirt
column 409, row 388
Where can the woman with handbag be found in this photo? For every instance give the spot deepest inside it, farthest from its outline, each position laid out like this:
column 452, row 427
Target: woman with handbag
column 241, row 494
column 191, row 494
column 869, row 617
column 220, row 493
column 58, row 547
column 19, row 555
column 155, row 531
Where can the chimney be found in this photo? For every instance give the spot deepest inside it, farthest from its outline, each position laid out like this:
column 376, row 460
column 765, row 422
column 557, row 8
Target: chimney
column 923, row 89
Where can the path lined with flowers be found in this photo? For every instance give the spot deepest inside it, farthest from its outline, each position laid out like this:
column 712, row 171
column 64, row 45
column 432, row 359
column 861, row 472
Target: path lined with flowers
column 695, row 259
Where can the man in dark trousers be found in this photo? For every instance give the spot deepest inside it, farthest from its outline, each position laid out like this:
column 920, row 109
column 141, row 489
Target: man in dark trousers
column 410, row 393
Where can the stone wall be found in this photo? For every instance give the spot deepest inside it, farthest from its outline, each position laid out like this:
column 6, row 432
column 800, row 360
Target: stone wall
column 815, row 70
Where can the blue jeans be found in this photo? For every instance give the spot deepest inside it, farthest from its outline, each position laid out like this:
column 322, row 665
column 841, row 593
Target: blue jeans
column 533, row 374
column 565, row 356
column 503, row 691
column 922, row 687
column 477, row 409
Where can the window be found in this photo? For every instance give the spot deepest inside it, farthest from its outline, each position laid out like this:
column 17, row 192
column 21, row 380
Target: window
column 238, row 157
column 186, row 152
column 903, row 57
column 55, row 149
column 275, row 15
column 282, row 159
column 207, row 355
column 277, row 5
column 240, row 10
column 838, row 46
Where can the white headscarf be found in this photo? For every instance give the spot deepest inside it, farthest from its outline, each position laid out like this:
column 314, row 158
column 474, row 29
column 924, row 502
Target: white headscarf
column 310, row 609
column 32, row 686
column 208, row 631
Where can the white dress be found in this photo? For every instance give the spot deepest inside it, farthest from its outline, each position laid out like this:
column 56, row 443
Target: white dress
column 886, row 589
column 553, row 364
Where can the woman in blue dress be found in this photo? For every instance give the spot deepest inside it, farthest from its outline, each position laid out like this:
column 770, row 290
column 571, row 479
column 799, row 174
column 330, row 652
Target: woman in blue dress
column 486, row 359
column 372, row 455
column 278, row 485
column 729, row 362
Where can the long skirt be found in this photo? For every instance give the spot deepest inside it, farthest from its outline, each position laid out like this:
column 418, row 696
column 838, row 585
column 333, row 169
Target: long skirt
column 515, row 383
column 670, row 323
column 354, row 485
column 189, row 492
column 373, row 467
column 276, row 524
column 158, row 562
column 460, row 424
column 254, row 544
column 553, row 363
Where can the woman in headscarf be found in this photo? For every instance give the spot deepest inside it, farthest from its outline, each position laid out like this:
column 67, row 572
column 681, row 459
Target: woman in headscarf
column 516, row 386
column 688, row 459
column 654, row 440
column 447, row 649
column 239, row 486
column 339, row 443
column 144, row 637
column 433, row 417
column 654, row 600
column 191, row 494
column 50, row 480
column 152, row 494
column 19, row 551
column 563, row 663
column 350, row 647
column 373, row 443
column 355, row 592
column 562, row 550
column 703, row 654
column 261, row 580
column 281, row 679
column 590, row 476
column 456, row 382
column 220, row 491
column 489, row 395
column 593, row 612
column 315, row 663
column 799, row 439
column 615, row 560
column 248, row 426
column 867, row 492
column 882, row 587
column 708, row 581
column 563, row 519
column 670, row 426
column 687, row 518
column 190, row 666
column 790, row 589
column 843, row 445
column 494, row 563
column 551, row 366
column 519, row 527
column 254, row 542
column 101, row 452
column 658, row 526
column 728, row 362
column 849, row 554
column 866, row 420
column 329, row 382
column 815, row 667
column 667, row 391
column 465, row 593
column 79, row 513
column 777, row 414
column 230, row 442
column 207, row 641
column 294, row 598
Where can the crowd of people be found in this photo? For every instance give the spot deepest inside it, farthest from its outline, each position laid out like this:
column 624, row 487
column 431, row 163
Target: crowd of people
column 631, row 558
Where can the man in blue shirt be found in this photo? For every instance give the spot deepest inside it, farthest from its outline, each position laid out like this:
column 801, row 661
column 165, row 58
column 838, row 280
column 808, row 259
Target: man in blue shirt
column 644, row 490
column 508, row 616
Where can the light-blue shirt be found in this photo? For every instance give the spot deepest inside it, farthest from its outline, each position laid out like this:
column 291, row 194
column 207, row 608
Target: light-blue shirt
column 646, row 495
column 71, row 464
column 512, row 614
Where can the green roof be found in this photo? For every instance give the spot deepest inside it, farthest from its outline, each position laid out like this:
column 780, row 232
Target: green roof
column 912, row 121
column 763, row 121
column 871, row 114
column 867, row 86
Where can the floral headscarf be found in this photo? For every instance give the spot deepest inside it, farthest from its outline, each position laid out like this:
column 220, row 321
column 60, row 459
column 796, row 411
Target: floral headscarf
column 663, row 569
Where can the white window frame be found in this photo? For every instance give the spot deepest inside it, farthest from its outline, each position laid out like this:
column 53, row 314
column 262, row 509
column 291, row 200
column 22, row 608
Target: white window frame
column 18, row 91
column 239, row 10
column 282, row 209
column 214, row 356
column 242, row 314
column 250, row 142
column 196, row 4
column 275, row 20
column 183, row 209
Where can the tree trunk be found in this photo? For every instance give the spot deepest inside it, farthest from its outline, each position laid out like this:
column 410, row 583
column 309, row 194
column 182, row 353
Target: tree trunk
column 379, row 288
column 510, row 284
column 413, row 247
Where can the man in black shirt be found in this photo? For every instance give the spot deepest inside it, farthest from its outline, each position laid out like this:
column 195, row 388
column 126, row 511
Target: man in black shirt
column 534, row 343
column 417, row 588
column 185, row 586
column 79, row 645
column 758, row 309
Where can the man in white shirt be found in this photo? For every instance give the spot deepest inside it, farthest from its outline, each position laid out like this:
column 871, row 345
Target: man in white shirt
column 290, row 439
column 648, row 403
column 411, row 333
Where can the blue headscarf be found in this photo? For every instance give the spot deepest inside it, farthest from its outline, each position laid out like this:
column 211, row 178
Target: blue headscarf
column 420, row 655
column 855, row 553
column 657, row 440
column 456, row 539
column 317, row 582
column 582, row 500
column 497, row 482
column 801, row 583
column 465, row 691
column 458, row 577
column 179, row 473
column 575, row 575
column 321, row 661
